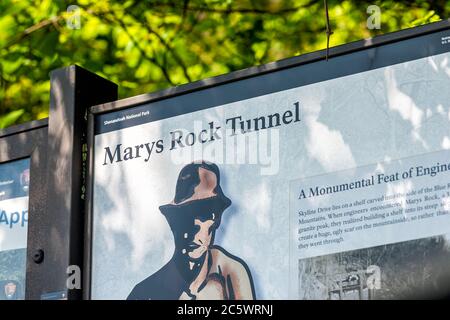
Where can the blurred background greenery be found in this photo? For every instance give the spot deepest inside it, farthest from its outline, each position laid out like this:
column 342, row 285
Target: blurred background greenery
column 144, row 46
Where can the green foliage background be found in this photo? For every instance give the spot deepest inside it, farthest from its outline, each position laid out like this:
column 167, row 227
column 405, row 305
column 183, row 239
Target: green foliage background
column 148, row 45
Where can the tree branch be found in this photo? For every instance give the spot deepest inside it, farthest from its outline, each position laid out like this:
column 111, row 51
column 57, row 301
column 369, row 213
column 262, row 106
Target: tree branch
column 143, row 52
column 172, row 51
column 237, row 10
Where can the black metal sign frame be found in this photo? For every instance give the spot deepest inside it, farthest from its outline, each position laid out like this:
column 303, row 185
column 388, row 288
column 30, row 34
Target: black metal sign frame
column 352, row 58
column 30, row 141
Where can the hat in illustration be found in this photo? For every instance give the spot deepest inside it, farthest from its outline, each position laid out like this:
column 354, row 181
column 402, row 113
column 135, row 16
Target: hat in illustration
column 198, row 194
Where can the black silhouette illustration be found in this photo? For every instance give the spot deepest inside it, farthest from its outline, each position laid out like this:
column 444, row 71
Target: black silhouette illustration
column 198, row 269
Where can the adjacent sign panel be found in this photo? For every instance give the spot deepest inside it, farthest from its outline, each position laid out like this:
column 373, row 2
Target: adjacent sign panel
column 328, row 180
column 14, row 187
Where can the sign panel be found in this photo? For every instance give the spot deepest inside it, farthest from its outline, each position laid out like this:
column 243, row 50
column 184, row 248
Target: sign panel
column 14, row 187
column 328, row 180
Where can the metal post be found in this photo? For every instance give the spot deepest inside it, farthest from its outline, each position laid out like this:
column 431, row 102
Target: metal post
column 73, row 91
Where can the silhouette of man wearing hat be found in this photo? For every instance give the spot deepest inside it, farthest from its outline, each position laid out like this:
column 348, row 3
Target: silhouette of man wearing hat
column 198, row 269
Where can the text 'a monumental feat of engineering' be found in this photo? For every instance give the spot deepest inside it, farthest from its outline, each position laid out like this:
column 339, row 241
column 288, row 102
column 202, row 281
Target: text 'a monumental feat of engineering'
column 413, row 172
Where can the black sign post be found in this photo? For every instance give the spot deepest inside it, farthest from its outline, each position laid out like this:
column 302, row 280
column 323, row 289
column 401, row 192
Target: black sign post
column 73, row 91
column 57, row 151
